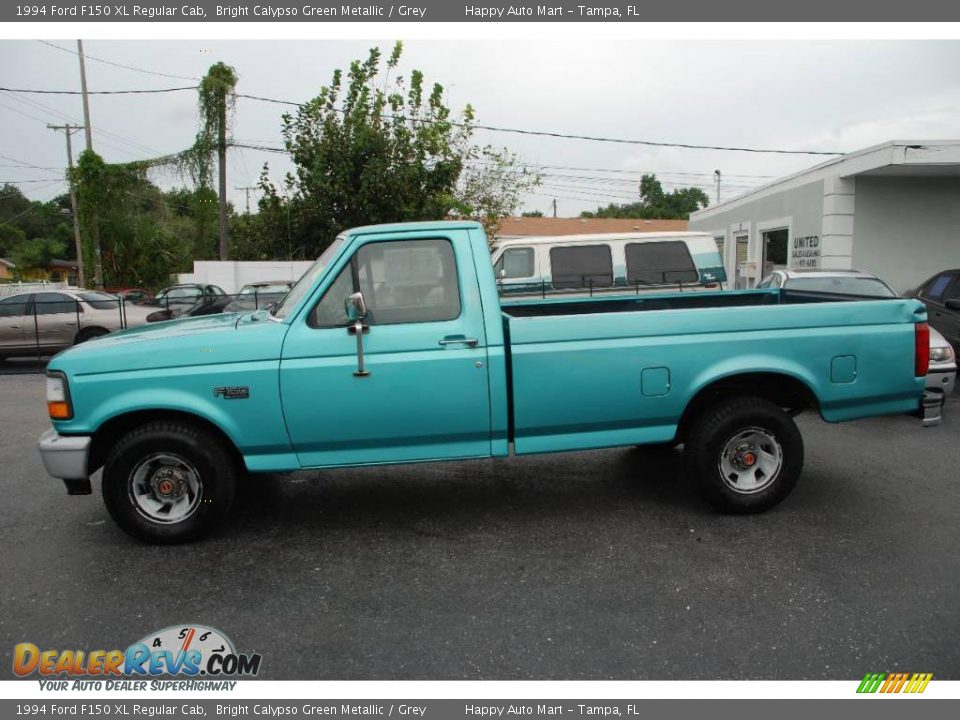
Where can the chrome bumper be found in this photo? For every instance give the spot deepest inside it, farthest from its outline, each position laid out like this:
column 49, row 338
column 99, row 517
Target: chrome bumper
column 65, row 457
column 930, row 407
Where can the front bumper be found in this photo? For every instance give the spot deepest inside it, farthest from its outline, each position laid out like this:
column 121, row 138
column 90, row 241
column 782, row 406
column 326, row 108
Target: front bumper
column 65, row 457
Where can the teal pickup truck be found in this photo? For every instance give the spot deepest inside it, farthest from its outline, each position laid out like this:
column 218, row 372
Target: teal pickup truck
column 395, row 348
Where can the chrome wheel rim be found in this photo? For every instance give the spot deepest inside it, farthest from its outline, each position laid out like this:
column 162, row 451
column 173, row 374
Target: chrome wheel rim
column 750, row 460
column 165, row 488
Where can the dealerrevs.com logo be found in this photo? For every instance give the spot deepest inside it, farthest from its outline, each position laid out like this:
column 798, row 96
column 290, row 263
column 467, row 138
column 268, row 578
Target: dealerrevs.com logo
column 180, row 651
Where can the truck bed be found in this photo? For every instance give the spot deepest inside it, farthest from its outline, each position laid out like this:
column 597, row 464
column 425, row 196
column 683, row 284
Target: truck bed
column 599, row 372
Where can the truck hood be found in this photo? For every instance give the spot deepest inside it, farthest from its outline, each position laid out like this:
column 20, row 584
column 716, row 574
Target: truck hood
column 224, row 338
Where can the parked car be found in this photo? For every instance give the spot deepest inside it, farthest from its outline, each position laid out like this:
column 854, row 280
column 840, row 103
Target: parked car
column 593, row 264
column 943, row 367
column 941, row 295
column 258, row 295
column 394, row 347
column 185, row 295
column 44, row 323
column 131, row 295
column 206, row 306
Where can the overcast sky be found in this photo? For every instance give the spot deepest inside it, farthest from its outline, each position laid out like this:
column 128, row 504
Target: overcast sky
column 803, row 95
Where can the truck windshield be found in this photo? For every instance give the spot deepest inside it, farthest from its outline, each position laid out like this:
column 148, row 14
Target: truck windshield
column 290, row 300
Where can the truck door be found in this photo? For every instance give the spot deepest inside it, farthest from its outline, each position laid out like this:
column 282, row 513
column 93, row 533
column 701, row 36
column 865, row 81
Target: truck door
column 426, row 395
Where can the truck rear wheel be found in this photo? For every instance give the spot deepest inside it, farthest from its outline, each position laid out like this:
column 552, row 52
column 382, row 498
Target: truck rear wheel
column 745, row 453
column 169, row 482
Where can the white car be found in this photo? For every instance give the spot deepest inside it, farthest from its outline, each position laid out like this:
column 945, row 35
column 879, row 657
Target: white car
column 44, row 323
column 942, row 375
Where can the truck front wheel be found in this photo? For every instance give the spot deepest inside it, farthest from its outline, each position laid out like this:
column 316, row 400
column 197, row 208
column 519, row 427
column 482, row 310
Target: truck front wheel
column 745, row 453
column 169, row 482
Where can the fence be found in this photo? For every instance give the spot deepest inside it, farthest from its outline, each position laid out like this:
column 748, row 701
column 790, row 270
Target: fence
column 17, row 288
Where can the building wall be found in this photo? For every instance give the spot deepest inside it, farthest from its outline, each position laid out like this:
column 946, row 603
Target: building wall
column 232, row 275
column 799, row 209
column 907, row 228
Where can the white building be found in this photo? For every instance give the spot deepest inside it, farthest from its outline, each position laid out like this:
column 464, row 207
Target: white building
column 892, row 209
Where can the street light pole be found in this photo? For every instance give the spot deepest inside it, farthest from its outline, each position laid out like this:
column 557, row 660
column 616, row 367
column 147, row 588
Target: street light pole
column 716, row 176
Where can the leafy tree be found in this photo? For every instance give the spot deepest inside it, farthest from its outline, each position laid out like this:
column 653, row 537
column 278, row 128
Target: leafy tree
column 654, row 203
column 374, row 147
column 493, row 188
column 37, row 252
column 532, row 213
column 139, row 241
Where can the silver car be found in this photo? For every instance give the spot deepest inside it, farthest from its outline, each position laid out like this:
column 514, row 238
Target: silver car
column 44, row 323
column 943, row 365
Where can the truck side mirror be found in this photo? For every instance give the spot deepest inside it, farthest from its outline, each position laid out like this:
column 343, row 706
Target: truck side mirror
column 356, row 307
column 356, row 311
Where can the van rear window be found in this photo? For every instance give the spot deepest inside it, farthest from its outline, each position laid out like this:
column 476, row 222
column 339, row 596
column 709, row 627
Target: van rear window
column 659, row 263
column 583, row 266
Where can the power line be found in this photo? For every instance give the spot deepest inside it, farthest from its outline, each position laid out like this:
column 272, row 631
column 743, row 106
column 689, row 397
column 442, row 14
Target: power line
column 116, row 64
column 591, row 138
column 98, row 92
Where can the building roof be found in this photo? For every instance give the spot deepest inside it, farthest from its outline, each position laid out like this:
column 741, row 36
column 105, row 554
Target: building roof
column 894, row 157
column 6, row 262
column 63, row 264
column 541, row 226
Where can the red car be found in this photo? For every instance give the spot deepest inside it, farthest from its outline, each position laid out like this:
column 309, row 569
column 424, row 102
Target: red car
column 131, row 295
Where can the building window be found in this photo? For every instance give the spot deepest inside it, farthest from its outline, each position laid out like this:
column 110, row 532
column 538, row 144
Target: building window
column 659, row 263
column 584, row 266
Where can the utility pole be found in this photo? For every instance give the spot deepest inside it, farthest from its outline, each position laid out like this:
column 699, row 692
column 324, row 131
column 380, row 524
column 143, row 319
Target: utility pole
column 86, row 99
column 222, row 158
column 69, row 130
column 247, row 189
column 716, row 176
column 554, row 207
column 94, row 223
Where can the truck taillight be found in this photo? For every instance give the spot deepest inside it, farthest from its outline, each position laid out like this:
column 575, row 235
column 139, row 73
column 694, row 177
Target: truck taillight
column 921, row 350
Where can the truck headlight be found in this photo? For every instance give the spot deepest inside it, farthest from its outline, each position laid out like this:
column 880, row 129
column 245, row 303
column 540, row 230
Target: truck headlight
column 942, row 354
column 58, row 396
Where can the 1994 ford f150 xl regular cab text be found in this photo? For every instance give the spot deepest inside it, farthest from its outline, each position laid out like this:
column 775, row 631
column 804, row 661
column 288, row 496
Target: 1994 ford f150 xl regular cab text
column 394, row 347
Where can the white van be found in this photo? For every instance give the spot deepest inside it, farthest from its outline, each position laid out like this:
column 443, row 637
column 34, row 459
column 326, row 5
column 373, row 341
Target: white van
column 634, row 262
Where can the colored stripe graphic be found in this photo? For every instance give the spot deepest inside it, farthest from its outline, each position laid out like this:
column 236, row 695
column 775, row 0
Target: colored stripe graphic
column 894, row 682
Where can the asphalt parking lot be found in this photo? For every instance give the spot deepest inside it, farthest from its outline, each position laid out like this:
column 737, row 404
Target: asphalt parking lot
column 580, row 566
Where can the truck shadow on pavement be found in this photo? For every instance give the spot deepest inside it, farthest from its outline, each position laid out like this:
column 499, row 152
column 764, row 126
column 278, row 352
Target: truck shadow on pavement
column 437, row 498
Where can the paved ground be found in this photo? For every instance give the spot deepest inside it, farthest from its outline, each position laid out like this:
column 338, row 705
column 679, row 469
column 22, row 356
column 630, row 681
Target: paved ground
column 588, row 565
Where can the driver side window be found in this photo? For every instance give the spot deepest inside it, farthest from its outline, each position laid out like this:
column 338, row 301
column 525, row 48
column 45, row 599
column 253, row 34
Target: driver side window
column 405, row 281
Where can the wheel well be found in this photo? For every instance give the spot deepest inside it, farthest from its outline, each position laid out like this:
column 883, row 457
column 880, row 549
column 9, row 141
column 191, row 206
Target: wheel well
column 113, row 429
column 782, row 390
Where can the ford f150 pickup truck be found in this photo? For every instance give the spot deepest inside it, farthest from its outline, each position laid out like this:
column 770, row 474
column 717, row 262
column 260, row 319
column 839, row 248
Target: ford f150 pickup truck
column 394, row 348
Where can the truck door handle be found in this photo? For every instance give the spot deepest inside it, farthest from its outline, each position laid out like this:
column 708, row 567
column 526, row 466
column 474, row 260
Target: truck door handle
column 459, row 340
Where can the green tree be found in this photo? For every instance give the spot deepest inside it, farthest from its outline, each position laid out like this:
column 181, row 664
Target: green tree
column 373, row 147
column 139, row 239
column 37, row 252
column 492, row 188
column 654, row 203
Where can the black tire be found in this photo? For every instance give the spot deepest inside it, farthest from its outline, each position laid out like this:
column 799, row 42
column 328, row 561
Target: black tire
column 212, row 464
column 90, row 334
column 767, row 432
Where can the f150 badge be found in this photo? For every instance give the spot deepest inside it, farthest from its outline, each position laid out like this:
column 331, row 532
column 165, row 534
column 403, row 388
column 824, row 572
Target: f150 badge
column 241, row 392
